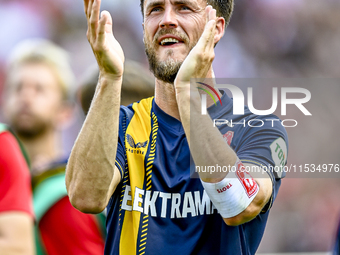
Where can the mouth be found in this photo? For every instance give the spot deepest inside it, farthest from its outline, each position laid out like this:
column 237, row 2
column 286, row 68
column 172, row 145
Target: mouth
column 169, row 41
column 25, row 111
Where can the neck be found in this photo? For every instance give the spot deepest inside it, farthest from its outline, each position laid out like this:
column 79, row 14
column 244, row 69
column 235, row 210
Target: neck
column 165, row 96
column 42, row 149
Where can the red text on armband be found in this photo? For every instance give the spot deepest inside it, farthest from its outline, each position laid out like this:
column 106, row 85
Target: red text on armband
column 225, row 188
column 247, row 181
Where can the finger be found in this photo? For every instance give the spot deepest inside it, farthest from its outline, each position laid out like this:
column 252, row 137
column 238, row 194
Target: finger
column 94, row 18
column 89, row 9
column 207, row 10
column 86, row 4
column 96, row 5
column 212, row 16
column 209, row 30
column 208, row 34
column 207, row 37
column 101, row 28
column 108, row 23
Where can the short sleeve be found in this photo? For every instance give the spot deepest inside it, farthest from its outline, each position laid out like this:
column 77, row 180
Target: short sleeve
column 266, row 146
column 15, row 183
column 124, row 119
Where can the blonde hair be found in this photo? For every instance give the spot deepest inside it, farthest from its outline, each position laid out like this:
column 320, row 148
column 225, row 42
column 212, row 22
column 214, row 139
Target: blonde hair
column 45, row 52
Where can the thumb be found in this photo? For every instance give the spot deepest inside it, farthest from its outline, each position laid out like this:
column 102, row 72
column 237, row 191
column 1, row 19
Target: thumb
column 106, row 16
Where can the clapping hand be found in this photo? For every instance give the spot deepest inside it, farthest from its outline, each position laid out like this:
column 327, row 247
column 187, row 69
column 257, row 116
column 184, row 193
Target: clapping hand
column 107, row 50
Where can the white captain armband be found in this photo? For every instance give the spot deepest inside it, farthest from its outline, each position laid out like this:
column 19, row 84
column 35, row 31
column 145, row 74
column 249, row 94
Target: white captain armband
column 234, row 193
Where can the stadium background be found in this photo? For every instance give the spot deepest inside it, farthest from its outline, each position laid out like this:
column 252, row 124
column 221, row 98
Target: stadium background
column 266, row 38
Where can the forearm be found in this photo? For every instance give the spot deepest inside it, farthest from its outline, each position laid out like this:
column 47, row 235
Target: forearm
column 206, row 143
column 91, row 165
column 13, row 247
column 16, row 233
column 255, row 207
column 208, row 148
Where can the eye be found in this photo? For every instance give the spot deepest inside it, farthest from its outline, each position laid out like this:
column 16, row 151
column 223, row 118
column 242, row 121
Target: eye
column 184, row 8
column 156, row 9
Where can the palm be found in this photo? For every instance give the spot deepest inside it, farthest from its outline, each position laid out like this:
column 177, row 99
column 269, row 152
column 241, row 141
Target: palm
column 107, row 50
column 109, row 53
column 191, row 67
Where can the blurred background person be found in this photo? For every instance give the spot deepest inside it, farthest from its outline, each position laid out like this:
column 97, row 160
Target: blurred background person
column 37, row 104
column 37, row 99
column 16, row 207
column 137, row 84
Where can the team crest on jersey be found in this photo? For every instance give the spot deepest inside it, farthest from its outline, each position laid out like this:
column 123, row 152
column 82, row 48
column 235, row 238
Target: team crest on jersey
column 135, row 147
column 247, row 181
column 132, row 143
column 228, row 137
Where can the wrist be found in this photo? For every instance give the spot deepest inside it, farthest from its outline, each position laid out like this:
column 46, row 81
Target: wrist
column 109, row 77
column 187, row 93
column 111, row 84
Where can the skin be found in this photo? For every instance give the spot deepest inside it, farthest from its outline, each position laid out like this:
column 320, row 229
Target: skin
column 91, row 175
column 16, row 236
column 35, row 109
column 165, row 56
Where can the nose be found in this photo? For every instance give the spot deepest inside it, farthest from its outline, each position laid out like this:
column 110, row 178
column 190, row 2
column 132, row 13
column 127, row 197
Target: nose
column 169, row 19
column 26, row 93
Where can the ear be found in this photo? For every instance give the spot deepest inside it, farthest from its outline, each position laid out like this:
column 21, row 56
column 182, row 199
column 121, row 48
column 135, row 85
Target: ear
column 220, row 28
column 143, row 31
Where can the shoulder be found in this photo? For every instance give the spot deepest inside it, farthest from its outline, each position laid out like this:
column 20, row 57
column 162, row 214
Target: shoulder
column 266, row 125
column 141, row 109
column 130, row 110
column 262, row 140
column 10, row 153
column 14, row 176
column 7, row 139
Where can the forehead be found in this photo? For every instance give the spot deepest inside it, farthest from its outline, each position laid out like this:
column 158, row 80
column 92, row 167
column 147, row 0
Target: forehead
column 33, row 74
column 174, row 2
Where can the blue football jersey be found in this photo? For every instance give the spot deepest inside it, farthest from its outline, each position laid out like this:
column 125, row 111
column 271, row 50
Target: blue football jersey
column 159, row 208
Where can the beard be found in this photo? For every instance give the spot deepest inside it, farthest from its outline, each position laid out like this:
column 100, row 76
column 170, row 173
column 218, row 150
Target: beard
column 164, row 70
column 29, row 129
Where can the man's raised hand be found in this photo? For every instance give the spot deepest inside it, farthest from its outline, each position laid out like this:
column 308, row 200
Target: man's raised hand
column 199, row 60
column 107, row 50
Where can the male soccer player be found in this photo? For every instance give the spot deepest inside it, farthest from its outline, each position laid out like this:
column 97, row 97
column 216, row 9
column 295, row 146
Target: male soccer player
column 36, row 105
column 135, row 160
